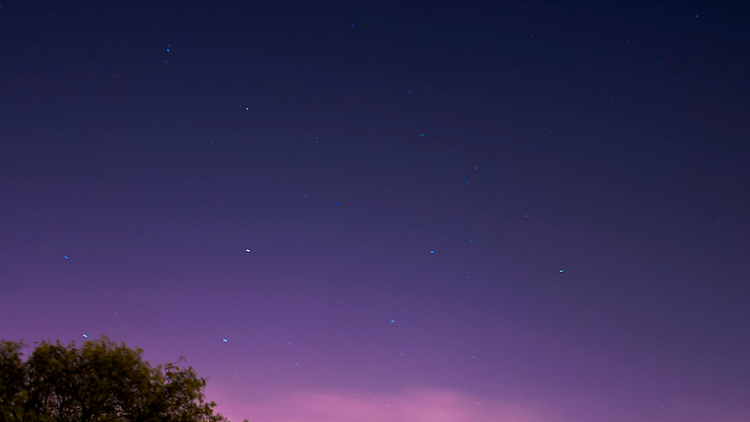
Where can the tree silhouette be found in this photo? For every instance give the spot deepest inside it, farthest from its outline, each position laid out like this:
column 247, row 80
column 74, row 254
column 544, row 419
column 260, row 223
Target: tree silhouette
column 98, row 382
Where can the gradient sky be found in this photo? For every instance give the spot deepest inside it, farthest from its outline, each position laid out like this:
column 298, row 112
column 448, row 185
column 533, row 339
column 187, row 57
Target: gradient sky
column 529, row 211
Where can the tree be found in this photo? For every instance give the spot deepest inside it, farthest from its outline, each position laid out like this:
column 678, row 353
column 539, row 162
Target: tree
column 99, row 382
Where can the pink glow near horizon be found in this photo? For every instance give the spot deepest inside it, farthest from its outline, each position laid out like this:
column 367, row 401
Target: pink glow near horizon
column 421, row 405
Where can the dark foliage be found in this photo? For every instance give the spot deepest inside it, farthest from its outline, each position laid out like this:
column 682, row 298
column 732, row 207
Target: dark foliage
column 98, row 382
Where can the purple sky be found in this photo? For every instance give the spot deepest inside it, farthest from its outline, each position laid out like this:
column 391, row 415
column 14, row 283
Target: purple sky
column 372, row 211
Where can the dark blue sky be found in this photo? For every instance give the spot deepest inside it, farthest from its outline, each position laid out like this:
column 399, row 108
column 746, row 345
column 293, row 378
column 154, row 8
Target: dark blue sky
column 354, row 212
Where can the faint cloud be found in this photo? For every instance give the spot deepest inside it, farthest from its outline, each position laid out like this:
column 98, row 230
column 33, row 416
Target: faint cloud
column 411, row 406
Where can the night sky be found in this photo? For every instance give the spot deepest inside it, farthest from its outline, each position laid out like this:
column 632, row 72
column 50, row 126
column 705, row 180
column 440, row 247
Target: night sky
column 530, row 211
